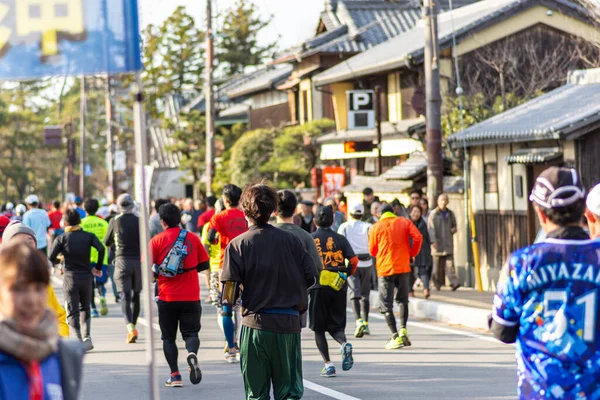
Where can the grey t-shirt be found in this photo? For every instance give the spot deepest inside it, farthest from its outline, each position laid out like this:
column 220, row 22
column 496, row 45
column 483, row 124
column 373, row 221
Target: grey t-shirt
column 307, row 241
column 155, row 225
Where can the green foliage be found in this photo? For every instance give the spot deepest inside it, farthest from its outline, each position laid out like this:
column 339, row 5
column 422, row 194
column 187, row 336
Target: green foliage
column 189, row 138
column 282, row 156
column 239, row 47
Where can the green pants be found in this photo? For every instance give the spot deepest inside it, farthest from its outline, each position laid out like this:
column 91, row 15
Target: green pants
column 269, row 357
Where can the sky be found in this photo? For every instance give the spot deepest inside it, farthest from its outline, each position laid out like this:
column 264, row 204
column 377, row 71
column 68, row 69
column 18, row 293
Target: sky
column 293, row 20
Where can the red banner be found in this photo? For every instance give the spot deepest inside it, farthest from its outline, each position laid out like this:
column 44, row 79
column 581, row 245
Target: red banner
column 334, row 179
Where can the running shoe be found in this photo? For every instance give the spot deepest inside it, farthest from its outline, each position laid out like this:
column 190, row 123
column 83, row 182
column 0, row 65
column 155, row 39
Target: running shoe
column 328, row 372
column 231, row 355
column 367, row 331
column 117, row 299
column 426, row 293
column 360, row 329
column 132, row 336
column 395, row 343
column 238, row 355
column 174, row 381
column 95, row 313
column 195, row 373
column 87, row 344
column 404, row 337
column 347, row 359
column 103, row 306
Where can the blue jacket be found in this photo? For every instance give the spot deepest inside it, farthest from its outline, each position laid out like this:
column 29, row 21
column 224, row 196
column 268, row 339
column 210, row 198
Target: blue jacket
column 61, row 374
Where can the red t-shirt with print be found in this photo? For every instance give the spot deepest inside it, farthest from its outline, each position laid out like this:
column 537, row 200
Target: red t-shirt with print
column 230, row 224
column 182, row 287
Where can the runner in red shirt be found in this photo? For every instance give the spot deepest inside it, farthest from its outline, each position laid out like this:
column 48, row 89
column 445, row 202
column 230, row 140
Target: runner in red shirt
column 56, row 216
column 229, row 223
column 208, row 214
column 179, row 295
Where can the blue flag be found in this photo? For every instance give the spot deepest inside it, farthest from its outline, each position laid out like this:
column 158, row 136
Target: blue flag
column 68, row 37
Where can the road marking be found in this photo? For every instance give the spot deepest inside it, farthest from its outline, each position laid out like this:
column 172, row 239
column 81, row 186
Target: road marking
column 327, row 392
column 444, row 330
column 143, row 321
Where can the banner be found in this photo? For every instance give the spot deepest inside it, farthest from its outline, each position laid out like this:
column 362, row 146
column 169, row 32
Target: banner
column 334, row 179
column 68, row 37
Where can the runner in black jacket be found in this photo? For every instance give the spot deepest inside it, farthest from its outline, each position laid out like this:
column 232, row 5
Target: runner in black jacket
column 75, row 245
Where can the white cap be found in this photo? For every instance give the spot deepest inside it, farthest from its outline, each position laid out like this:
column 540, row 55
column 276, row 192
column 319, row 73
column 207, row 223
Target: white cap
column 103, row 202
column 357, row 209
column 20, row 209
column 32, row 198
column 10, row 206
column 593, row 200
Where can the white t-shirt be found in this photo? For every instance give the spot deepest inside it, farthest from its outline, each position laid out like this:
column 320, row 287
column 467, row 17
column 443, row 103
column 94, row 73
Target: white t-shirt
column 357, row 233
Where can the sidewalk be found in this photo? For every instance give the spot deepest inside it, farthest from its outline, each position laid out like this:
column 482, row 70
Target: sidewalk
column 465, row 307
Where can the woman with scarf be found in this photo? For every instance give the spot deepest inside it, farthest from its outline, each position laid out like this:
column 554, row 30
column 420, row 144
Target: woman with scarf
column 423, row 262
column 75, row 246
column 34, row 363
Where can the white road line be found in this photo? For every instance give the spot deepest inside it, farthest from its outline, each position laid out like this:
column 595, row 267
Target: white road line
column 328, row 392
column 444, row 330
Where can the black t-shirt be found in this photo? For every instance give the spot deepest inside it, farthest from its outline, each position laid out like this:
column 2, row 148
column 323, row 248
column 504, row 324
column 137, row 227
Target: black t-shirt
column 275, row 272
column 334, row 250
column 75, row 247
column 124, row 233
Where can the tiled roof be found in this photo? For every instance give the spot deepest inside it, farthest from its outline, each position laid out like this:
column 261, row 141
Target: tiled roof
column 550, row 116
column 411, row 168
column 409, row 47
column 388, row 129
column 264, row 79
column 534, row 156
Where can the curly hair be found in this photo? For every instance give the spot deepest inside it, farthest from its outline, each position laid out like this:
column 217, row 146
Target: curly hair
column 258, row 202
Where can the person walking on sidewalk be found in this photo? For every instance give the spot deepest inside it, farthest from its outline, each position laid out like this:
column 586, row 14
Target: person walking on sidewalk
column 98, row 227
column 359, row 283
column 547, row 297
column 422, row 264
column 123, row 232
column 593, row 212
column 442, row 227
column 75, row 245
column 271, row 271
column 390, row 242
column 327, row 299
column 178, row 257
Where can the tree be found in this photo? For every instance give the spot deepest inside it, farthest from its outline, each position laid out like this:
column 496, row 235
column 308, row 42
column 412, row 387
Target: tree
column 239, row 46
column 189, row 137
column 249, row 153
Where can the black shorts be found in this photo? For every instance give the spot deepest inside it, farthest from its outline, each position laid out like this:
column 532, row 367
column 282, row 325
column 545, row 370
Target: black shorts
column 392, row 289
column 128, row 275
column 359, row 283
column 183, row 314
column 327, row 310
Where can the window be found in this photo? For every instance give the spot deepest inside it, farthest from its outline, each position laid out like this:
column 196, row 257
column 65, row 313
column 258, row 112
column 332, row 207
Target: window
column 491, row 178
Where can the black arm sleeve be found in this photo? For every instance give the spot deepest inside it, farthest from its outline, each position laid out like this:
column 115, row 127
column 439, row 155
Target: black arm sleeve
column 505, row 334
column 97, row 244
column 205, row 266
column 56, row 250
column 213, row 236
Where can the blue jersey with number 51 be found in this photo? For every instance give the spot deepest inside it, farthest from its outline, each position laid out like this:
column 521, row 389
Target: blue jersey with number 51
column 550, row 291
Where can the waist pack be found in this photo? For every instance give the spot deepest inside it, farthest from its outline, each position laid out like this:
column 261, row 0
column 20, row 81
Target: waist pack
column 333, row 279
column 364, row 257
column 173, row 264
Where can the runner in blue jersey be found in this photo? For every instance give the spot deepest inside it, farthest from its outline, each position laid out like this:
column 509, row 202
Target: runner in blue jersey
column 547, row 300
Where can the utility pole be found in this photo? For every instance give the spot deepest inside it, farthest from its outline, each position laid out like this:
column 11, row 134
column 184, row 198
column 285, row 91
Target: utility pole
column 110, row 145
column 82, row 140
column 209, row 98
column 435, row 167
column 378, row 127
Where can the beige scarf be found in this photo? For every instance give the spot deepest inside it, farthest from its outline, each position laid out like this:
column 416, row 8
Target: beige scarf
column 72, row 228
column 29, row 344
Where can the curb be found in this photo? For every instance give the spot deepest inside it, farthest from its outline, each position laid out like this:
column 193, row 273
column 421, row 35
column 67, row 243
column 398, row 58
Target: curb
column 452, row 314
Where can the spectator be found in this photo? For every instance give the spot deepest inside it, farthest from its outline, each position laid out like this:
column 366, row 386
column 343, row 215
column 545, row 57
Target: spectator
column 399, row 208
column 37, row 220
column 593, row 212
column 368, row 199
column 190, row 216
column 442, row 227
column 415, row 197
column 305, row 219
column 35, row 363
column 338, row 217
column 342, row 203
column 424, row 203
column 78, row 202
column 422, row 263
column 178, row 293
column 390, row 242
column 206, row 216
column 374, row 207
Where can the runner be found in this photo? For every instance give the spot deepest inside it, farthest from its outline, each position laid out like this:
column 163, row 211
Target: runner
column 178, row 256
column 20, row 211
column 4, row 221
column 214, row 254
column 123, row 232
column 103, row 211
column 75, row 245
column 56, row 216
column 78, row 202
column 593, row 212
column 273, row 272
column 359, row 283
column 8, row 213
column 327, row 306
column 98, row 227
column 226, row 226
column 547, row 297
column 203, row 221
column 390, row 242
column 37, row 219
column 155, row 225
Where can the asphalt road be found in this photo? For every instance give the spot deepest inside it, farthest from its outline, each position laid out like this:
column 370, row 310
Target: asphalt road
column 443, row 362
